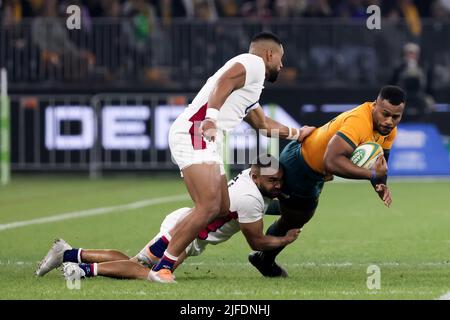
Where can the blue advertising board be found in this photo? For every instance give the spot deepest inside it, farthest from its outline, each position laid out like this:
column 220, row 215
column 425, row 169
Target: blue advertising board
column 419, row 151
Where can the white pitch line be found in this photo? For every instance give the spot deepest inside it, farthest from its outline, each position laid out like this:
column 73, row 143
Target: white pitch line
column 344, row 264
column 94, row 212
column 294, row 293
column 399, row 179
column 289, row 265
column 445, row 296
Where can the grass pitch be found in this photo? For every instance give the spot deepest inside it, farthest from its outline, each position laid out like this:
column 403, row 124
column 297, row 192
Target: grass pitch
column 410, row 242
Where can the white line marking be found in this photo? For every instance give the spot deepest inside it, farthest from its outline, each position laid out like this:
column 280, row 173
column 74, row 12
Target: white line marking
column 361, row 241
column 400, row 179
column 344, row 264
column 293, row 293
column 288, row 265
column 445, row 296
column 18, row 263
column 94, row 212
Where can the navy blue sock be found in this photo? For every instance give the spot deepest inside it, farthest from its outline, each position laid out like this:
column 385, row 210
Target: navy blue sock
column 71, row 255
column 88, row 269
column 164, row 263
column 159, row 247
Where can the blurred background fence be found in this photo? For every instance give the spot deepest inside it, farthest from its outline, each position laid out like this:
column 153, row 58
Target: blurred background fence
column 40, row 53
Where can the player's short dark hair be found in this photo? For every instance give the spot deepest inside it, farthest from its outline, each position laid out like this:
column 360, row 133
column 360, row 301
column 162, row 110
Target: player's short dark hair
column 265, row 35
column 266, row 161
column 395, row 95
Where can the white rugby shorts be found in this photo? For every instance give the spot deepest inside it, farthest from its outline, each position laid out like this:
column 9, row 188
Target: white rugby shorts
column 188, row 147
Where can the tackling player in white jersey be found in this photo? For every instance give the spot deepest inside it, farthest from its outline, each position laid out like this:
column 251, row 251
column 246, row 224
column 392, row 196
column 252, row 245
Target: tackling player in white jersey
column 249, row 192
column 228, row 97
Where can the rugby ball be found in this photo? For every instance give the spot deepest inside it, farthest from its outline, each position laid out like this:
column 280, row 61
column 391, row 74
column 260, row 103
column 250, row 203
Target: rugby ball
column 366, row 154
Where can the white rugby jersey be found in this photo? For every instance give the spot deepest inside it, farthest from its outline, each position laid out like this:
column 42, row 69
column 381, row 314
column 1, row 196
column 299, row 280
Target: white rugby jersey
column 246, row 205
column 239, row 102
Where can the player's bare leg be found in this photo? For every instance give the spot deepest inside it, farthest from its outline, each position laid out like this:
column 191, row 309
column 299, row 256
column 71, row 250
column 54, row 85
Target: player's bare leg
column 225, row 204
column 156, row 248
column 205, row 184
column 62, row 252
column 125, row 269
column 103, row 255
column 120, row 269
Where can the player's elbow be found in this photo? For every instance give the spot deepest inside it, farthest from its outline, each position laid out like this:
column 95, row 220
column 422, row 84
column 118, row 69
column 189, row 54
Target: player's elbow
column 329, row 164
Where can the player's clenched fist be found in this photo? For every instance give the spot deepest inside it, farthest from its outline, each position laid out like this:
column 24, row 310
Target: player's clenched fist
column 381, row 167
column 292, row 235
column 208, row 129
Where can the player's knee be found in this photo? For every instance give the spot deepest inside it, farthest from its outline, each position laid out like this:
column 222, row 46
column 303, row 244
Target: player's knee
column 213, row 210
column 224, row 211
column 117, row 253
column 209, row 208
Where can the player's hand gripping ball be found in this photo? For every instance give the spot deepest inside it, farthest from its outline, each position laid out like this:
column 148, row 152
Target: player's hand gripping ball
column 366, row 154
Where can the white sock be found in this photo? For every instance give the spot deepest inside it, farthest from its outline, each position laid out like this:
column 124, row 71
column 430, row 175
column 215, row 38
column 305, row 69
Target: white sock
column 171, row 257
column 79, row 255
column 167, row 236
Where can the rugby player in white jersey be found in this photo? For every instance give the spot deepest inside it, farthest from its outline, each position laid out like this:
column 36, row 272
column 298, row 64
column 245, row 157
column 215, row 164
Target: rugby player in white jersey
column 250, row 191
column 195, row 138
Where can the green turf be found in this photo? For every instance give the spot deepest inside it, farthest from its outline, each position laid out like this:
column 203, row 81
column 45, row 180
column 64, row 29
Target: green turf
column 410, row 242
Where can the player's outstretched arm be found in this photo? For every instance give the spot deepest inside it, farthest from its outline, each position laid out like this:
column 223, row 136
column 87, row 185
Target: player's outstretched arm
column 254, row 234
column 337, row 162
column 259, row 121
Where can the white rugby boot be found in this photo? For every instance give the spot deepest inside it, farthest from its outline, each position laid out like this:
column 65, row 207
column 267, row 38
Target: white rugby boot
column 54, row 257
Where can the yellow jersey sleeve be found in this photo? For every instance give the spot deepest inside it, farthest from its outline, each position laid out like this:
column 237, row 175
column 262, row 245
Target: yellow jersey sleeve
column 354, row 130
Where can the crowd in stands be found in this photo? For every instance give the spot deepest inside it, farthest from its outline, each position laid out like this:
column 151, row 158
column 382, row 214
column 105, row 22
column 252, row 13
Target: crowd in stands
column 215, row 9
